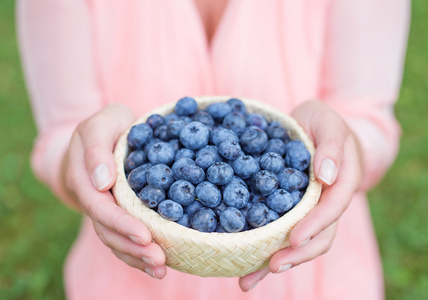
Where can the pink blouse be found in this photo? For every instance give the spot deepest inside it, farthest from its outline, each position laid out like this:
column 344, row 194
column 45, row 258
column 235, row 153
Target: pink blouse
column 80, row 55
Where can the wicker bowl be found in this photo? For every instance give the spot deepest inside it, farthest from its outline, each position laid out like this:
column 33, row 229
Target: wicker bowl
column 217, row 254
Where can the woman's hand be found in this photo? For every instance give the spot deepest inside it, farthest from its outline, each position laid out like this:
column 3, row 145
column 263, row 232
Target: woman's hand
column 89, row 171
column 337, row 164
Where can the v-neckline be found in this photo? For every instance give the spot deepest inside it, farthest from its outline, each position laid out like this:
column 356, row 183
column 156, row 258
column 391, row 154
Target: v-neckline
column 209, row 44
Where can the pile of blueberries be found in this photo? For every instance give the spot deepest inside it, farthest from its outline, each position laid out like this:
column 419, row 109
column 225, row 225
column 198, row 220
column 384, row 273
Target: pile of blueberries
column 220, row 169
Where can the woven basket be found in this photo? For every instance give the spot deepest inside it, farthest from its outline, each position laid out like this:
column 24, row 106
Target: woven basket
column 217, row 254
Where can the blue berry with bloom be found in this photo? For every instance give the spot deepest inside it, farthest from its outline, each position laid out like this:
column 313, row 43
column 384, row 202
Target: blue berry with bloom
column 184, row 153
column 192, row 207
column 174, row 128
column 135, row 159
column 220, row 134
column 232, row 220
column 277, row 146
column 271, row 161
column 229, row 150
column 280, row 201
column 256, row 120
column 291, row 179
column 186, row 106
column 220, row 173
column 218, row 110
column 204, row 220
column 236, row 122
column 297, row 158
column 253, row 140
column 193, row 174
column 178, row 166
column 170, row 210
column 236, row 105
column 236, row 195
column 161, row 153
column 245, row 166
column 139, row 135
column 182, row 192
column 155, row 120
column 258, row 215
column 265, row 182
column 276, row 131
column 205, row 118
column 209, row 194
column 137, row 179
column 194, row 135
column 161, row 176
column 151, row 196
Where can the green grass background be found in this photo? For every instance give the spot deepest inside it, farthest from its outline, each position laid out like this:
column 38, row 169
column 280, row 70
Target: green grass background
column 36, row 231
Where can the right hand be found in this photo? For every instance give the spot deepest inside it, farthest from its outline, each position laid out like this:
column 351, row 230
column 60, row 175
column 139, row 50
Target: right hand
column 88, row 173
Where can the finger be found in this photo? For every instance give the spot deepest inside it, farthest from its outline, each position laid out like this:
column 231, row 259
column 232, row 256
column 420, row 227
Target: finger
column 329, row 133
column 333, row 201
column 101, row 207
column 291, row 257
column 151, row 254
column 248, row 282
column 99, row 135
column 155, row 272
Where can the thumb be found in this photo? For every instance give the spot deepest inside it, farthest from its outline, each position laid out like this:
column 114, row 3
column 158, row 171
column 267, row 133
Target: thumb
column 329, row 133
column 99, row 135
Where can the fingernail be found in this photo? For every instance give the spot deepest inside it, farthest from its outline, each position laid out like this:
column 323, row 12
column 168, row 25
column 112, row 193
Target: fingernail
column 253, row 286
column 136, row 239
column 284, row 268
column 148, row 260
column 150, row 272
column 327, row 171
column 101, row 177
column 304, row 242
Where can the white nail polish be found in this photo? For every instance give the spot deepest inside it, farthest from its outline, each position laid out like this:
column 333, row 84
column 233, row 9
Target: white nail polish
column 148, row 260
column 304, row 242
column 101, row 177
column 136, row 239
column 327, row 171
column 150, row 272
column 284, row 268
column 253, row 286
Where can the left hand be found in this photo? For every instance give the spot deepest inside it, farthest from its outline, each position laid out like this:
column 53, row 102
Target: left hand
column 338, row 165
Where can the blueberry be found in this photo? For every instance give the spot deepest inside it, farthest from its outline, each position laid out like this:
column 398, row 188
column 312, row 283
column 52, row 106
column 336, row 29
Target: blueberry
column 137, row 179
column 170, row 210
column 236, row 195
column 246, row 208
column 175, row 143
column 265, row 182
column 276, row 131
column 174, row 128
column 186, row 106
column 220, row 173
column 257, row 198
column 272, row 216
column 232, row 220
column 139, row 135
column 182, row 192
column 177, row 167
column 297, row 196
column 170, row 118
column 280, row 201
column 276, row 145
column 184, row 221
column 220, row 134
column 220, row 229
column 271, row 161
column 194, row 135
column 184, row 153
column 253, row 140
column 238, row 180
column 220, row 208
column 298, row 158
column 151, row 196
column 245, row 166
column 161, row 176
column 218, row 110
column 193, row 174
column 293, row 144
column 192, row 208
column 291, row 179
column 161, row 153
column 161, row 132
column 257, row 215
column 205, row 160
column 135, row 159
column 229, row 150
column 205, row 118
column 236, row 105
column 150, row 144
column 256, row 120
column 208, row 193
column 210, row 149
column 204, row 220
column 236, row 122
column 155, row 120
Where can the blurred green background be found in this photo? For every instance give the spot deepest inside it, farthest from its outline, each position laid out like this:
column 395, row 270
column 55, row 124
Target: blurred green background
column 36, row 231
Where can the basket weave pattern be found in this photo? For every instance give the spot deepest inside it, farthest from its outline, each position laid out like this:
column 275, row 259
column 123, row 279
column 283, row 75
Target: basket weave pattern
column 217, row 254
